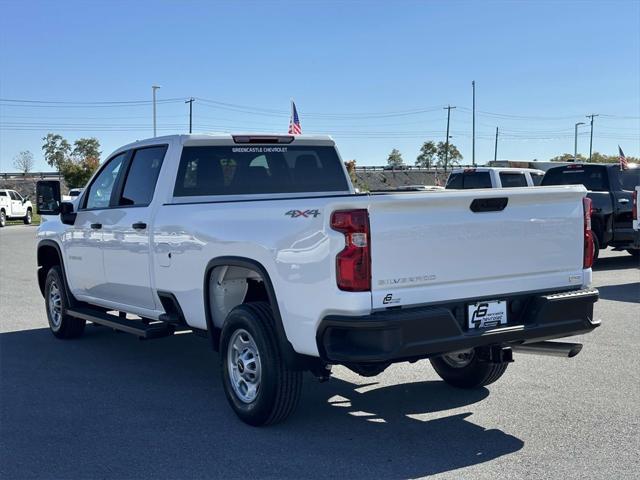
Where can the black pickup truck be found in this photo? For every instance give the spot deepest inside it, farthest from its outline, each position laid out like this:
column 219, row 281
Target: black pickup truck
column 611, row 190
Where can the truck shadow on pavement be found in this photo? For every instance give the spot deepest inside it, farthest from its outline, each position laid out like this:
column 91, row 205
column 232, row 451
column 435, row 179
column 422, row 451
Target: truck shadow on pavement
column 110, row 406
column 621, row 262
column 628, row 292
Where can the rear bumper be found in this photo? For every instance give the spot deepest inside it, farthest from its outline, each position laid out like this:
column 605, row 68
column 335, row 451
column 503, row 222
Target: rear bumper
column 421, row 332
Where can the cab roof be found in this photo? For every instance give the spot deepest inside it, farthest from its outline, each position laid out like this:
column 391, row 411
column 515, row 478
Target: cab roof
column 240, row 138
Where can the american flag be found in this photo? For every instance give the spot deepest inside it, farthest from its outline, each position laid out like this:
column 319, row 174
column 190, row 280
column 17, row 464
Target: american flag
column 294, row 122
column 623, row 160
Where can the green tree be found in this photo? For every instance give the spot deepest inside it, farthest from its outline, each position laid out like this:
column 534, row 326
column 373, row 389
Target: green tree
column 395, row 158
column 75, row 164
column 56, row 150
column 85, row 150
column 84, row 160
column 23, row 161
column 427, row 155
column 568, row 157
column 446, row 160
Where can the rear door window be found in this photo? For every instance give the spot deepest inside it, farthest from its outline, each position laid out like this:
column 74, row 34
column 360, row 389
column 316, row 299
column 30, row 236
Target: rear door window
column 256, row 169
column 142, row 176
column 536, row 178
column 593, row 177
column 510, row 180
column 455, row 181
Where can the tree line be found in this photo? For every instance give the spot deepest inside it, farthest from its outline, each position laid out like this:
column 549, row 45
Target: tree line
column 431, row 154
column 596, row 157
column 76, row 163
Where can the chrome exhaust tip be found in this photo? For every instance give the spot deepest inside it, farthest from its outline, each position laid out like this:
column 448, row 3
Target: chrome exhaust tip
column 556, row 349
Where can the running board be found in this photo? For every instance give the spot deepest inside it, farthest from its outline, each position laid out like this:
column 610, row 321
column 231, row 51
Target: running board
column 144, row 329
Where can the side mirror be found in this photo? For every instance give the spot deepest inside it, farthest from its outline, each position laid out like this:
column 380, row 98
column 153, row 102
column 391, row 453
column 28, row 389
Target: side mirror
column 67, row 214
column 48, row 197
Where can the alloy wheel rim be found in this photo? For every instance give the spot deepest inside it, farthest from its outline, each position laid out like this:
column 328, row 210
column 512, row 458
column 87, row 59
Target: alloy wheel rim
column 55, row 305
column 244, row 366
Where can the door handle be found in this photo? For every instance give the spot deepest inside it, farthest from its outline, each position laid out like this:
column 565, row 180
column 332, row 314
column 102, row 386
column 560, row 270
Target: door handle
column 623, row 200
column 96, row 226
column 139, row 226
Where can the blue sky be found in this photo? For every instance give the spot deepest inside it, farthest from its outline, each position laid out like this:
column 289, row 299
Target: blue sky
column 375, row 75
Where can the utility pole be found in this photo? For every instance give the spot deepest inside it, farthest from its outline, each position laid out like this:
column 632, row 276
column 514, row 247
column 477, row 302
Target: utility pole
column 473, row 128
column 154, row 88
column 495, row 150
column 575, row 143
column 591, row 135
column 448, row 108
column 190, row 102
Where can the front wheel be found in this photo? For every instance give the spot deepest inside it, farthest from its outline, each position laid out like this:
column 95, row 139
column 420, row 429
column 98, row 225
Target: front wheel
column 465, row 369
column 27, row 218
column 61, row 324
column 259, row 385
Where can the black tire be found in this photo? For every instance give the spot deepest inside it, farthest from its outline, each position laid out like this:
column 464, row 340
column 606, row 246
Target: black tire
column 474, row 373
column 61, row 324
column 635, row 252
column 279, row 386
column 27, row 218
column 3, row 218
column 596, row 248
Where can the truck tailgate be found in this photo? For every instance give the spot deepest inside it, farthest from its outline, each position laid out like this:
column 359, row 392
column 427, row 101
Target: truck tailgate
column 432, row 247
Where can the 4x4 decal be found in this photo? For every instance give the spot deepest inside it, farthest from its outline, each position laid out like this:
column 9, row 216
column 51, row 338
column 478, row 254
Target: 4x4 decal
column 303, row 213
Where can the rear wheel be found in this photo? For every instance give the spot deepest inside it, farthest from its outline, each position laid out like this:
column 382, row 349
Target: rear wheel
column 596, row 247
column 27, row 218
column 465, row 369
column 56, row 301
column 260, row 387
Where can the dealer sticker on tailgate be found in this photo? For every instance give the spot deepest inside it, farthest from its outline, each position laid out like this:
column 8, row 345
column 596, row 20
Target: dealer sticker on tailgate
column 487, row 314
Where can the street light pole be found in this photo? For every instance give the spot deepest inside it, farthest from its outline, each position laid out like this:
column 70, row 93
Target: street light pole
column 473, row 127
column 154, row 88
column 446, row 144
column 495, row 151
column 591, row 135
column 575, row 143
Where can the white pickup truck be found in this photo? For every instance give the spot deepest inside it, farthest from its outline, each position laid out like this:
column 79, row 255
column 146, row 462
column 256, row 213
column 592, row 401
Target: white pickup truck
column 493, row 177
column 261, row 244
column 14, row 206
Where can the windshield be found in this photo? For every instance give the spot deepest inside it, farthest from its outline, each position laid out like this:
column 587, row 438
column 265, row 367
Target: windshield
column 629, row 179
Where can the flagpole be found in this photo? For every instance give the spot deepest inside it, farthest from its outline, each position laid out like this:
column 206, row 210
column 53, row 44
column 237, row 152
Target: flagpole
column 291, row 116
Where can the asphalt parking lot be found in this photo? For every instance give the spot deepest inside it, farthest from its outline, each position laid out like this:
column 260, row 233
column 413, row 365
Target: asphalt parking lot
column 110, row 406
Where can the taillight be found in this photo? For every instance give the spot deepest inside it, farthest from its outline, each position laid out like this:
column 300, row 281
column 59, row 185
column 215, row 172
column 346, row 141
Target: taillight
column 353, row 264
column 634, row 208
column 588, row 234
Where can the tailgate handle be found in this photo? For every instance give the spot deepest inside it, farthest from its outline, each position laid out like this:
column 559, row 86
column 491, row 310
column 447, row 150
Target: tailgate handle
column 489, row 204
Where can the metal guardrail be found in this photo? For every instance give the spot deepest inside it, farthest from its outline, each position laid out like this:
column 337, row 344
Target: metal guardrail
column 407, row 168
column 30, row 175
